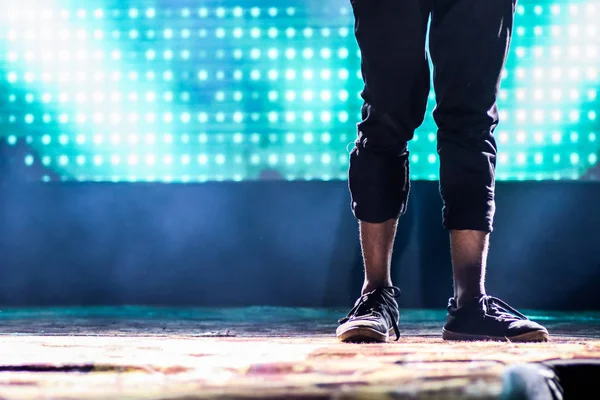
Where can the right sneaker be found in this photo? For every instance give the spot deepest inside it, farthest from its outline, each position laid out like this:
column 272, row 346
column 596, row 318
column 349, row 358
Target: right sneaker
column 374, row 316
column 489, row 318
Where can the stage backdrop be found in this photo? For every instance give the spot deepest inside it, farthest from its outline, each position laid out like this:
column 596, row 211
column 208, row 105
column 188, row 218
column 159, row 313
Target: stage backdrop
column 98, row 98
column 212, row 90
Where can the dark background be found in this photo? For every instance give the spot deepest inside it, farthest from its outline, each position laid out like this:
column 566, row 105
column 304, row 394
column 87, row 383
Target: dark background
column 277, row 243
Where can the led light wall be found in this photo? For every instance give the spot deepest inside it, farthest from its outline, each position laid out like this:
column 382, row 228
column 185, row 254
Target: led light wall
column 193, row 91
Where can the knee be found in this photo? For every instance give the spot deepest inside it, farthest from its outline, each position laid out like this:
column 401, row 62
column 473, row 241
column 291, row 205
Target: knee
column 479, row 119
column 380, row 131
column 379, row 184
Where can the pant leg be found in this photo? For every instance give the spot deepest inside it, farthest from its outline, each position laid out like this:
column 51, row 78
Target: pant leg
column 391, row 36
column 469, row 41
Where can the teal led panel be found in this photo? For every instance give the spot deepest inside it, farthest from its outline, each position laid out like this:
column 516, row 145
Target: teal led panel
column 193, row 91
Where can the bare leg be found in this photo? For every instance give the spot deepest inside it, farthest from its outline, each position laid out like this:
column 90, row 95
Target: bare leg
column 469, row 258
column 361, row 324
column 377, row 242
column 475, row 320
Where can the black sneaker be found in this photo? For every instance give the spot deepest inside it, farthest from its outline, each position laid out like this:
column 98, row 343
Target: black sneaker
column 374, row 315
column 489, row 318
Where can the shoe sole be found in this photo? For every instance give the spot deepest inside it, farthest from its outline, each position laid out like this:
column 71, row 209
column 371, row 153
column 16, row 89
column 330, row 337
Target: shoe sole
column 535, row 336
column 363, row 335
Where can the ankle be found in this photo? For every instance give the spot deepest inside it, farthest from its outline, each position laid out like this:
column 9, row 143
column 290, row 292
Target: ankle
column 465, row 298
column 371, row 285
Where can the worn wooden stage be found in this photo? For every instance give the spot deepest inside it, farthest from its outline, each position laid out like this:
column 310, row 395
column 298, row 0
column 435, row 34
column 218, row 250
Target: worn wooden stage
column 151, row 353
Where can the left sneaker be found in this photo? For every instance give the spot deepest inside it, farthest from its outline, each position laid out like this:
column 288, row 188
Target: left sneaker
column 374, row 316
column 489, row 318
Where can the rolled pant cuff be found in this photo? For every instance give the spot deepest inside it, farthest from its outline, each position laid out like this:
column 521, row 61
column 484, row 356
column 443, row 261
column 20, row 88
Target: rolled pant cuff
column 469, row 222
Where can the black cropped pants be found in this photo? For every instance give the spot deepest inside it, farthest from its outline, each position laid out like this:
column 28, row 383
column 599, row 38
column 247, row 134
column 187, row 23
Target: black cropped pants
column 468, row 44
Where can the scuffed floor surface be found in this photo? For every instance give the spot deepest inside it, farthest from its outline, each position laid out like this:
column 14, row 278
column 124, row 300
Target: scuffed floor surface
column 142, row 353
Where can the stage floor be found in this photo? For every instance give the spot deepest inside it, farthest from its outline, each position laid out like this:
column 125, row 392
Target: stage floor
column 150, row 353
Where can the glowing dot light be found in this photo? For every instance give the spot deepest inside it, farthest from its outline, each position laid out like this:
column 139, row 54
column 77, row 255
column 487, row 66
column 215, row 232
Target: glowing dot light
column 195, row 93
